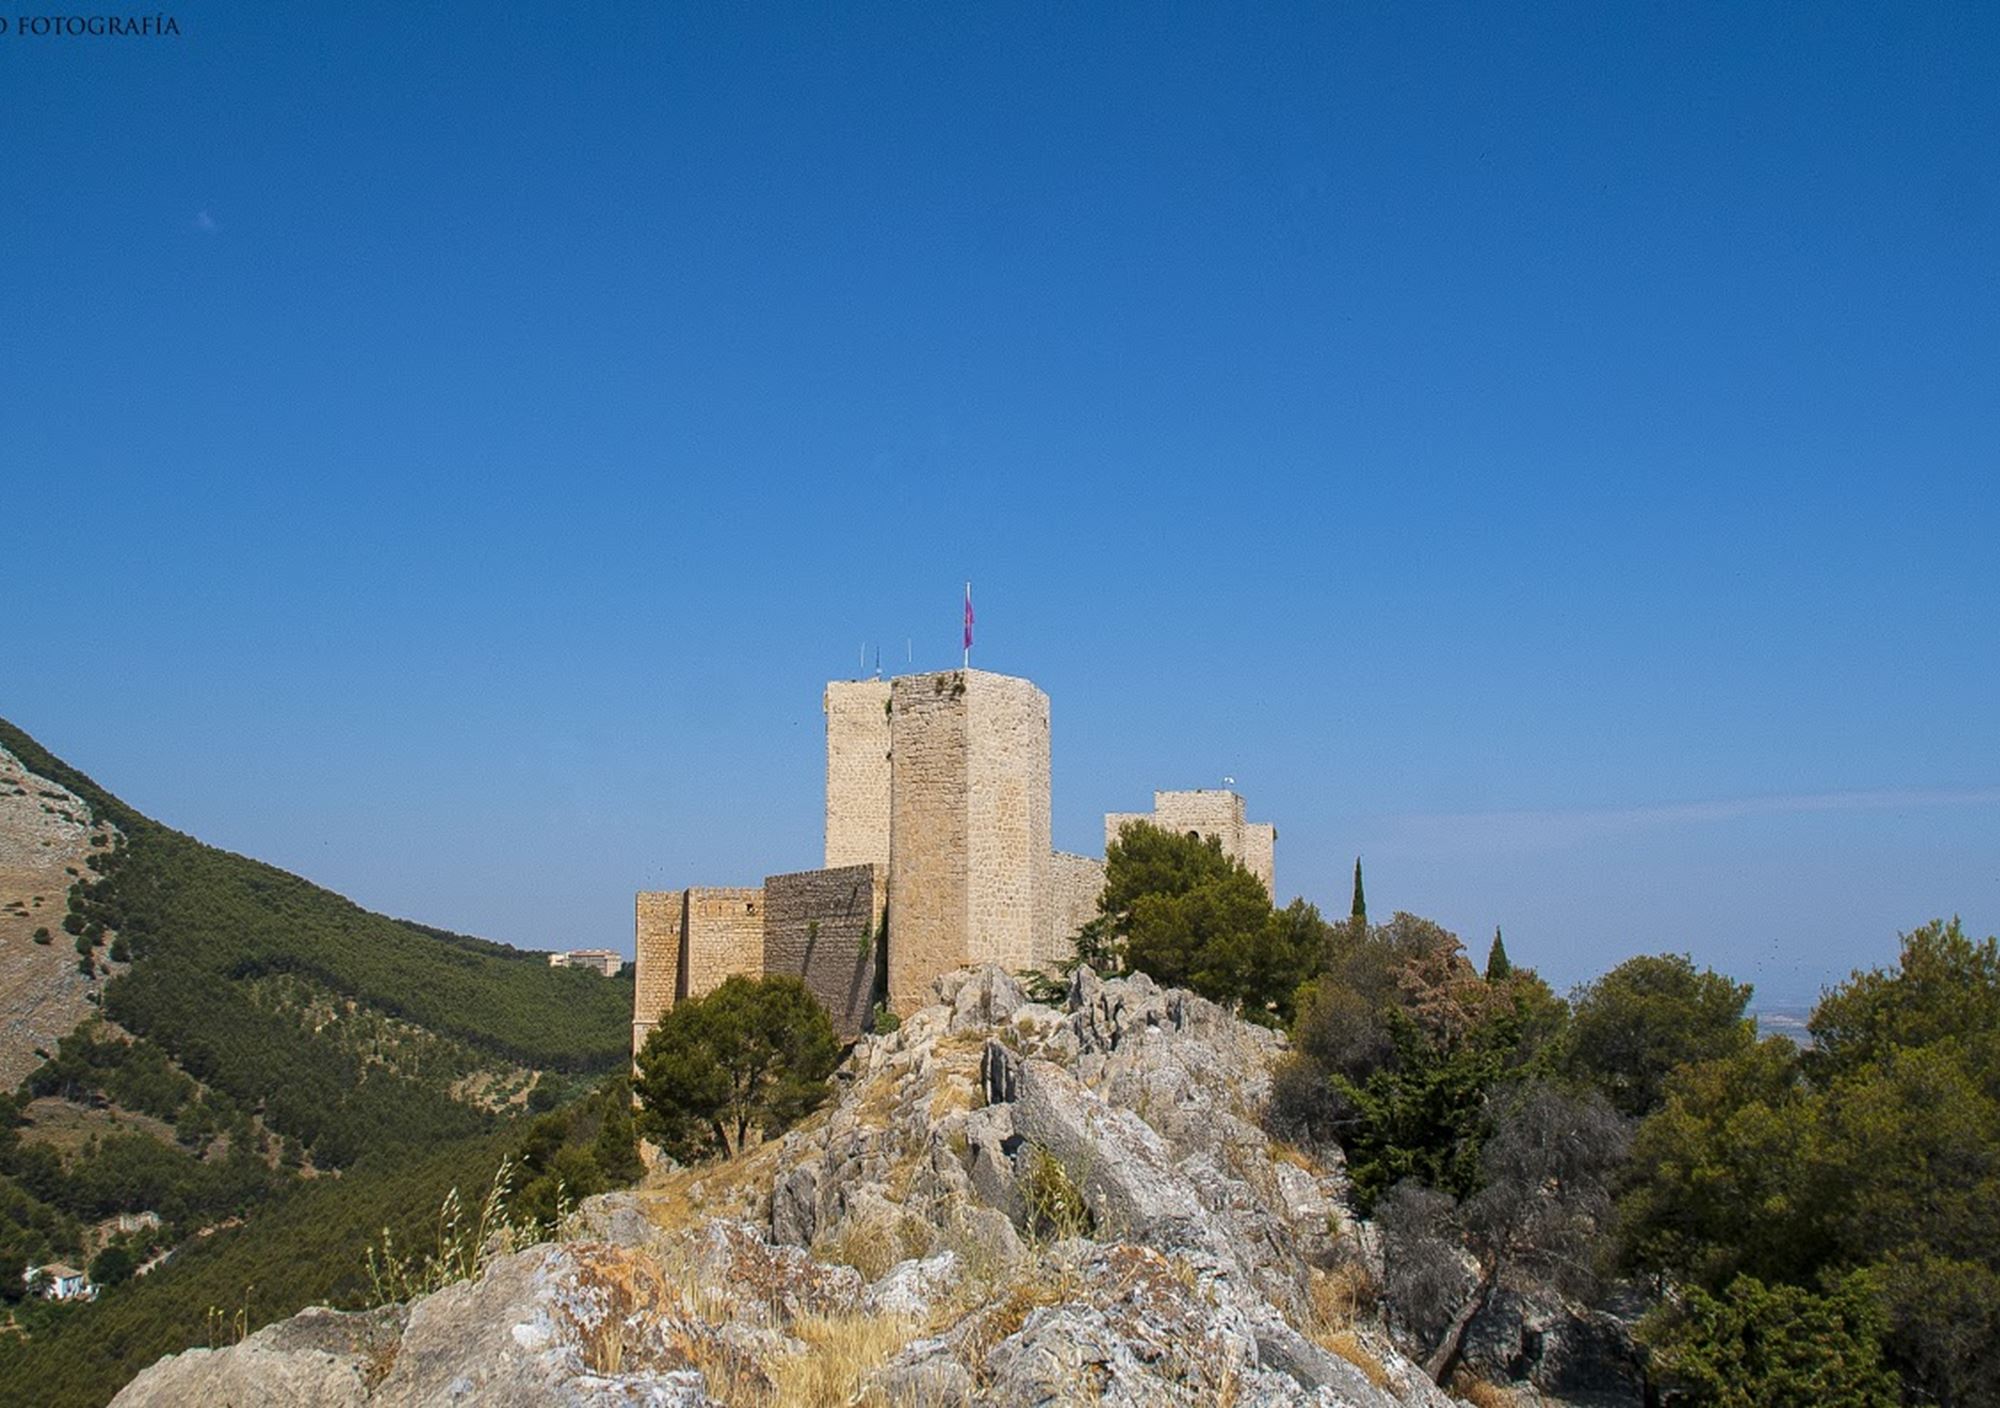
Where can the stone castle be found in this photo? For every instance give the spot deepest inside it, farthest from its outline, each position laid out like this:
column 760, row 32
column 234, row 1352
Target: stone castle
column 937, row 856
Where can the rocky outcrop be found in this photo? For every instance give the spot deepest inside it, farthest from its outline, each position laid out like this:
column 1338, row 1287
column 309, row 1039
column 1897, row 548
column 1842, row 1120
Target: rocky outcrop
column 1569, row 1352
column 318, row 1359
column 46, row 841
column 1008, row 1202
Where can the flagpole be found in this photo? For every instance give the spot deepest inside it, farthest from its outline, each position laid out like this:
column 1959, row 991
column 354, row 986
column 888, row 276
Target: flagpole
column 968, row 626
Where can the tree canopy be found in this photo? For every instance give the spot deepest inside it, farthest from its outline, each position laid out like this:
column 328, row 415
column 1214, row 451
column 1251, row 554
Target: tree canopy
column 755, row 1054
column 1647, row 1016
column 1870, row 1163
column 1177, row 909
column 1398, row 1048
column 1779, row 1346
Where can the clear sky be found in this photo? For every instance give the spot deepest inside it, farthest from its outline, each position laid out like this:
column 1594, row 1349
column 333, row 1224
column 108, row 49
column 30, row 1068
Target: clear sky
column 1548, row 450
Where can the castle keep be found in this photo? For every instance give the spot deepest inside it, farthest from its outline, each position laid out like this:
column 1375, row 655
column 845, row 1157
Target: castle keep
column 937, row 855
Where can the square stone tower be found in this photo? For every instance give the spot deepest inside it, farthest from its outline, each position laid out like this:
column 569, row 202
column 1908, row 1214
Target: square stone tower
column 857, row 772
column 969, row 853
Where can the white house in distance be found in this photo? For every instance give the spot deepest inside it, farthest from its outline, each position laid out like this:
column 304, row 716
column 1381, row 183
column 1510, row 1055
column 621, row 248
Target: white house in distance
column 60, row 1281
column 603, row 960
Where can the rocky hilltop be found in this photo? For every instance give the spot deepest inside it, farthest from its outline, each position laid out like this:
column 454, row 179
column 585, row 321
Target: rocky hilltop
column 1005, row 1203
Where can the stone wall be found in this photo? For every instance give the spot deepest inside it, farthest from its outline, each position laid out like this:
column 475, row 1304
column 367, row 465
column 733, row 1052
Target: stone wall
column 857, row 772
column 1260, row 853
column 656, row 964
column 724, row 934
column 1115, row 822
column 825, row 926
column 1075, row 883
column 937, row 809
column 1215, row 814
column 686, row 942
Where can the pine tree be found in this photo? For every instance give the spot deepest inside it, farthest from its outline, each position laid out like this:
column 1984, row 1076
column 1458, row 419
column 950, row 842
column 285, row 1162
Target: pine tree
column 1360, row 910
column 1498, row 969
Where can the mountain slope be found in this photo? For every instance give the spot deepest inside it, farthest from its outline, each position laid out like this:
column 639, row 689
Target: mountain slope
column 347, row 1027
column 269, row 1070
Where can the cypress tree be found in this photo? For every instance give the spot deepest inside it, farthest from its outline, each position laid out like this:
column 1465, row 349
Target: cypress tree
column 1360, row 910
column 1498, row 969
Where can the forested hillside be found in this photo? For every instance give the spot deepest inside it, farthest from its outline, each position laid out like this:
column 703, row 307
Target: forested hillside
column 271, row 1070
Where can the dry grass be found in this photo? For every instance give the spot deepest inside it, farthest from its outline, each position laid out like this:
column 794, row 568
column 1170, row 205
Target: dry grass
column 682, row 1197
column 876, row 1109
column 1285, row 1152
column 873, row 1245
column 1339, row 1295
column 841, row 1350
column 1481, row 1394
column 1348, row 1346
column 955, row 1092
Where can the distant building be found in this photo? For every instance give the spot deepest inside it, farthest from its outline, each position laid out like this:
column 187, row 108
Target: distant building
column 604, row 960
column 59, row 1281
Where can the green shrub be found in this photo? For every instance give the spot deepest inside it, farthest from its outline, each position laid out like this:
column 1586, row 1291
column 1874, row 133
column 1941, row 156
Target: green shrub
column 112, row 1266
column 1777, row 1346
column 754, row 1055
column 1052, row 1197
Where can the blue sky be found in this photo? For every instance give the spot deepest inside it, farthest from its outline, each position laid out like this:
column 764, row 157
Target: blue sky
column 1549, row 451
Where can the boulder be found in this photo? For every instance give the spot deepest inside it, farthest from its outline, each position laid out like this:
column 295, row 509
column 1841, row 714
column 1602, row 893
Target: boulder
column 912, row 1289
column 317, row 1359
column 1564, row 1350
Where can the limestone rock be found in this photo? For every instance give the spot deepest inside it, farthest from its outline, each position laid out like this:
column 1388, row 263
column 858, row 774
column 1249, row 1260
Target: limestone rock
column 751, row 1280
column 905, row 1216
column 581, row 1324
column 913, row 1288
column 1561, row 1349
column 317, row 1359
column 617, row 1218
